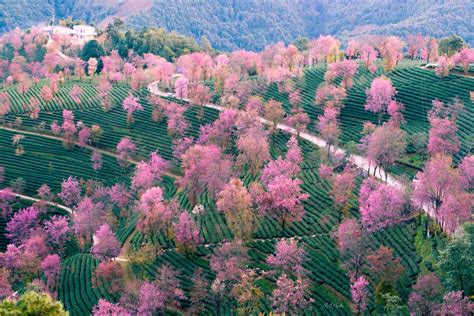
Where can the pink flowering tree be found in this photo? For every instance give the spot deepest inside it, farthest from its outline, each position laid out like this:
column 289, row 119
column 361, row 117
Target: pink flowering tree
column 186, row 233
column 288, row 258
column 147, row 173
column 379, row 95
column 96, row 160
column 88, row 217
column 70, row 191
column 426, row 295
column 104, row 307
column 352, row 246
column 51, row 267
column 290, row 296
column 106, row 245
column 204, row 166
column 69, row 128
column 253, row 150
column 342, row 186
column 454, row 303
column 59, row 232
column 130, row 104
column 120, row 195
column 442, row 137
column 125, row 149
column 466, row 169
column 328, row 126
column 391, row 52
column 236, row 203
column 282, row 199
column 329, row 95
column 368, row 55
column 444, row 66
column 22, row 224
column 181, row 88
column 380, row 204
column 360, row 295
column 176, row 122
column 84, row 137
column 464, row 58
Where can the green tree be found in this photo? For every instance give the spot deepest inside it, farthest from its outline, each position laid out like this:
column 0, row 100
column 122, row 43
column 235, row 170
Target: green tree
column 92, row 49
column 32, row 303
column 456, row 261
column 450, row 45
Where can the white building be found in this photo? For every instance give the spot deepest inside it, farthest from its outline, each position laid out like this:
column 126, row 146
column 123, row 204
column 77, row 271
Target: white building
column 84, row 32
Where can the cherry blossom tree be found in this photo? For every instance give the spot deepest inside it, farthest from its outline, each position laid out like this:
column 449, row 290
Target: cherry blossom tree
column 342, row 186
column 104, row 88
column 391, row 52
column 436, row 182
column 125, row 149
column 360, row 295
column 253, row 150
column 379, row 95
column 104, row 308
column 59, row 232
column 328, row 126
column 456, row 209
column 106, row 245
column 228, row 261
column 383, row 266
column 69, row 128
column 4, row 104
column 199, row 293
column 290, row 296
column 444, row 66
column 282, row 199
column 288, row 258
column 324, row 49
column 273, row 112
column 147, row 173
column 181, row 88
column 345, row 69
column 51, row 267
column 88, row 217
column 466, row 169
column 352, row 49
column 70, row 191
column 22, row 224
column 331, row 96
column 205, row 166
column 130, row 104
column 177, row 124
column 120, row 195
column 96, row 160
column 454, row 303
column 352, row 246
column 426, row 295
column 186, row 232
column 384, row 146
column 109, row 275
column 380, row 204
column 464, row 58
column 236, row 203
column 442, row 137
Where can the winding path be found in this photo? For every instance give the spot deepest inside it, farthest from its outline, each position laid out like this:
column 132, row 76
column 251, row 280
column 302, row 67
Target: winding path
column 29, row 198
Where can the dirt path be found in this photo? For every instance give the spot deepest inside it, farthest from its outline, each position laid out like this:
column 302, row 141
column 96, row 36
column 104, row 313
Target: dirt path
column 26, row 197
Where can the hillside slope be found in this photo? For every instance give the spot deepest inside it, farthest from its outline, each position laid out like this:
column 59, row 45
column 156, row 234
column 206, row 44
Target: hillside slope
column 251, row 24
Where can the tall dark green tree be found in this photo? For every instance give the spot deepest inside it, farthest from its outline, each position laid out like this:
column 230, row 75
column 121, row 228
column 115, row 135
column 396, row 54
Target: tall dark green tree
column 92, row 49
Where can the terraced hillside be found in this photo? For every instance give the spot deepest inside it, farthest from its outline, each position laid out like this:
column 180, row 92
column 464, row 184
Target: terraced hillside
column 45, row 160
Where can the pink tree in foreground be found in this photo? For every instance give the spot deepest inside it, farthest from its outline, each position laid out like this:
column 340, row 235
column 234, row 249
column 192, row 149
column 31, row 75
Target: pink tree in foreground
column 466, row 169
column 151, row 299
column 120, row 195
column 88, row 217
column 104, row 308
column 106, row 245
column 130, row 104
column 342, row 186
column 253, row 150
column 70, row 191
column 456, row 209
column 282, row 199
column 186, row 232
column 288, row 257
column 75, row 93
column 426, row 295
column 228, row 261
column 329, row 95
column 360, row 295
column 290, row 296
column 454, row 303
column 442, row 137
column 125, row 149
